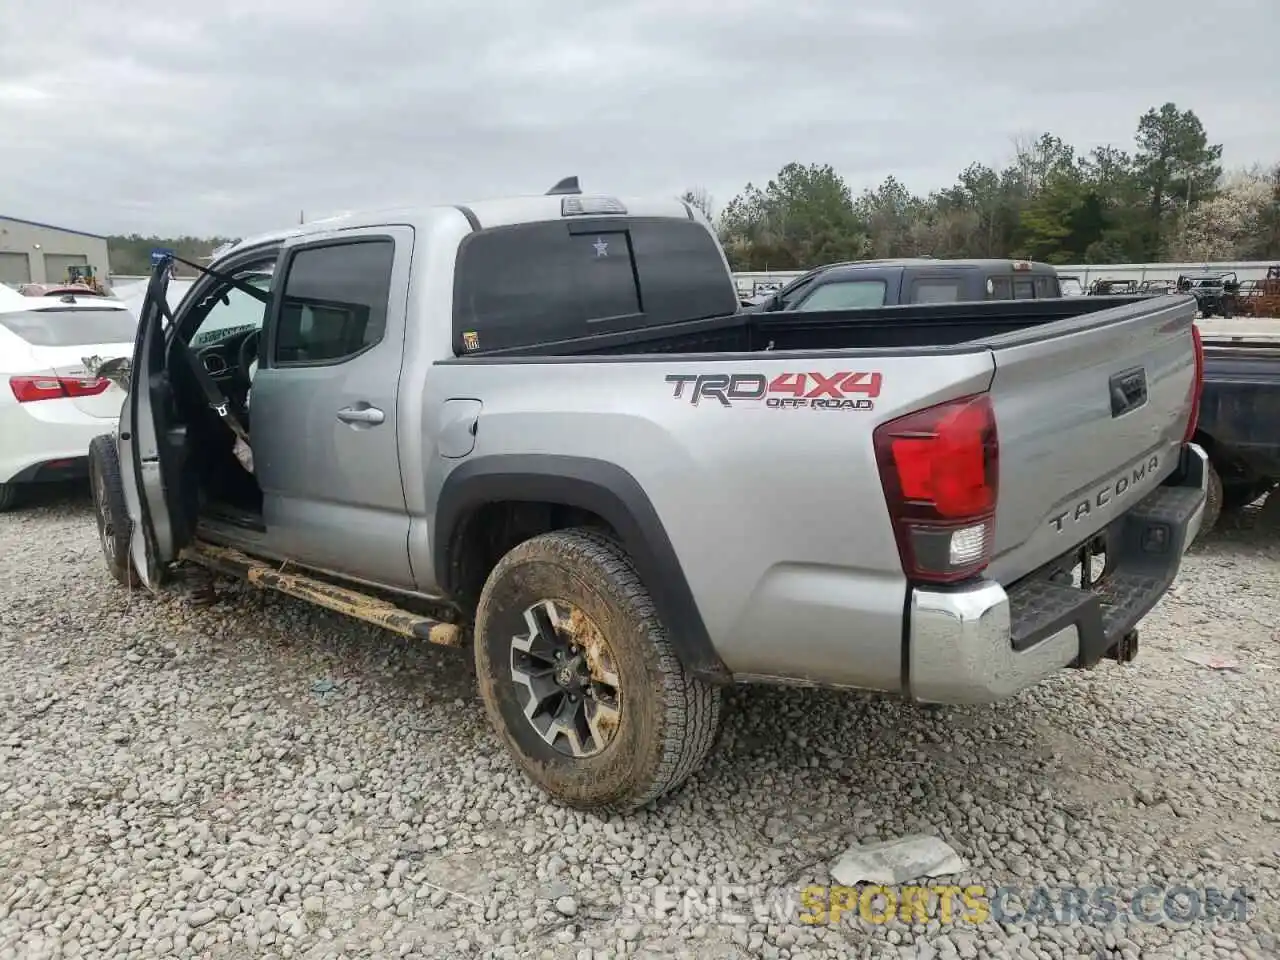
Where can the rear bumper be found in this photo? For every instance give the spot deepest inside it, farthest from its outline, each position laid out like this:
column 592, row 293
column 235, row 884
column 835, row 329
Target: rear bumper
column 55, row 433
column 982, row 643
column 54, row 471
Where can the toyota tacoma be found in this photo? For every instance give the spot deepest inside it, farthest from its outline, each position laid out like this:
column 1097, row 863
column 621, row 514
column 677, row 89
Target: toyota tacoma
column 543, row 427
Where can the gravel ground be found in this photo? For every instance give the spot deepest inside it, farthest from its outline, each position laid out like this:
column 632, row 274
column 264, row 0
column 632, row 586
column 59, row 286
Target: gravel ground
column 254, row 778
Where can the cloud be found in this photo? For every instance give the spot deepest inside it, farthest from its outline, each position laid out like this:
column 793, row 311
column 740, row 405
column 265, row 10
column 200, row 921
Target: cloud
column 233, row 117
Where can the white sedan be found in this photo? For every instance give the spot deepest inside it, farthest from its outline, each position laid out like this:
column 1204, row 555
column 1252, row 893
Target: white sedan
column 51, row 406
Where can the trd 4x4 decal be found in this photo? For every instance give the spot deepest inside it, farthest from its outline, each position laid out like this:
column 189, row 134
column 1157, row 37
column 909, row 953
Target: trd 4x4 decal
column 787, row 391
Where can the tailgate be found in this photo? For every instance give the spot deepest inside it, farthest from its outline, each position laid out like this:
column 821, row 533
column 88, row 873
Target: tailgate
column 1090, row 414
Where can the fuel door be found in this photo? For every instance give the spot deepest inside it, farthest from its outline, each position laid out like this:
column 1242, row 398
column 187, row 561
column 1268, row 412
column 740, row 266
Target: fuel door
column 458, row 422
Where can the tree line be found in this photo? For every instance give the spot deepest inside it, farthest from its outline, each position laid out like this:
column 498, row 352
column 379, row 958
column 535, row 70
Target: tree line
column 1167, row 198
column 131, row 256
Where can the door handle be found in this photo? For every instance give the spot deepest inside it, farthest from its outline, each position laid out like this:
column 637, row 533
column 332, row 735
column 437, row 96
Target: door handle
column 371, row 416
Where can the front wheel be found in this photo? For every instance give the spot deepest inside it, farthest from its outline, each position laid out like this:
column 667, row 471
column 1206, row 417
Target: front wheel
column 580, row 679
column 8, row 496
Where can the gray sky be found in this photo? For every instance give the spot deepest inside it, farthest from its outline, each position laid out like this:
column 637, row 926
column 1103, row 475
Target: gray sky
column 232, row 116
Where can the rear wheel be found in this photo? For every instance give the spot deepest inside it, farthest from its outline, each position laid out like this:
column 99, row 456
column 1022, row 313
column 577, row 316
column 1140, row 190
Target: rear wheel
column 579, row 677
column 1237, row 496
column 109, row 508
column 1212, row 502
column 8, row 496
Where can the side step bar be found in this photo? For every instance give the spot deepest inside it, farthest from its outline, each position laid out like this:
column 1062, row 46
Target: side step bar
column 353, row 603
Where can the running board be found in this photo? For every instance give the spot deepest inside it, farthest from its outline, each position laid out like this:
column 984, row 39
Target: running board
column 353, row 603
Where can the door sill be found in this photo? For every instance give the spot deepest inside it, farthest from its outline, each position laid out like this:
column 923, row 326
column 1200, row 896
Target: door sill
column 217, row 533
column 223, row 514
column 341, row 599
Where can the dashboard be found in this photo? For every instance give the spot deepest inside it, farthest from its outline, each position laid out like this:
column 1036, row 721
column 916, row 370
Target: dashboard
column 222, row 359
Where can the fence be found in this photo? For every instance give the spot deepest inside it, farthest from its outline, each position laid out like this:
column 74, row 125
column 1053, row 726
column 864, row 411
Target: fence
column 751, row 283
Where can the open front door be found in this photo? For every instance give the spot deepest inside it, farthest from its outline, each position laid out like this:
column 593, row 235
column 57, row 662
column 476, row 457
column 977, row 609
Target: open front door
column 153, row 446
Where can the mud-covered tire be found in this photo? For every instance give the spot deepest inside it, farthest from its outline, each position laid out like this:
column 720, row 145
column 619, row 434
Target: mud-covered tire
column 667, row 719
column 8, row 496
column 109, row 508
column 1212, row 503
column 1238, row 495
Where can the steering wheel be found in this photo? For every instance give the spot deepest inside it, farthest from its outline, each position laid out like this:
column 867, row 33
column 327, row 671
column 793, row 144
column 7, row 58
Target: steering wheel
column 247, row 355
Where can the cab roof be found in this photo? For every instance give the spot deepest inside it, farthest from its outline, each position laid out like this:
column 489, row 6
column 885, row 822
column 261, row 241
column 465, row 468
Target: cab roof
column 482, row 214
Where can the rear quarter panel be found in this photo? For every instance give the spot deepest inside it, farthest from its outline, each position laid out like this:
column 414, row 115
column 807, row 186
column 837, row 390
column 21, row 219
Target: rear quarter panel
column 777, row 515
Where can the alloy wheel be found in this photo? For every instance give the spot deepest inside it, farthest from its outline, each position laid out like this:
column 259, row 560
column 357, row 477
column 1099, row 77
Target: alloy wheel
column 566, row 679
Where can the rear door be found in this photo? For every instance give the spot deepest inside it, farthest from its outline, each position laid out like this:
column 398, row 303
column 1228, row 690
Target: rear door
column 324, row 413
column 151, row 450
column 1090, row 414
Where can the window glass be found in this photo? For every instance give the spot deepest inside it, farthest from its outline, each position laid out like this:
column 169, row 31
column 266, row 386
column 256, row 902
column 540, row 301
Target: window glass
column 792, row 294
column 71, row 328
column 335, row 301
column 239, row 313
column 846, row 295
column 1046, row 288
column 1001, row 289
column 605, row 275
column 543, row 282
column 1023, row 290
column 935, row 291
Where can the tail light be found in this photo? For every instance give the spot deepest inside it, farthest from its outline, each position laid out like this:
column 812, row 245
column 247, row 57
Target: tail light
column 30, row 389
column 939, row 471
column 1197, row 386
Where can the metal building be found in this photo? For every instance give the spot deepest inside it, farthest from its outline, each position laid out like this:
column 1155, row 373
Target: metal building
column 33, row 252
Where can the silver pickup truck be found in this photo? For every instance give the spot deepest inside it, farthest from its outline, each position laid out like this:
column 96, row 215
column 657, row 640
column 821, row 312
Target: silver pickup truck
column 542, row 427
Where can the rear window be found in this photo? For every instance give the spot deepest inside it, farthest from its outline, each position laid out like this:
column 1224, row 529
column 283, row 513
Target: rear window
column 935, row 291
column 542, row 282
column 71, row 328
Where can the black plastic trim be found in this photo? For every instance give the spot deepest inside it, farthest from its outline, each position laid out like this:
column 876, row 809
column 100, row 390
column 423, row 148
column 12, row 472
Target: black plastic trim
column 471, row 216
column 606, row 490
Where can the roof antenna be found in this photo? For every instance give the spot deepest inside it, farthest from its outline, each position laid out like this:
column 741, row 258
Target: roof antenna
column 568, row 186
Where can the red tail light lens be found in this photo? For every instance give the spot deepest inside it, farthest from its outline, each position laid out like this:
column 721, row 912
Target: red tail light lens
column 939, row 470
column 30, row 389
column 1197, row 386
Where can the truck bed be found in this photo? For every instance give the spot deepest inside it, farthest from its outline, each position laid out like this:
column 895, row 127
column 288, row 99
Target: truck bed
column 768, row 483
column 902, row 329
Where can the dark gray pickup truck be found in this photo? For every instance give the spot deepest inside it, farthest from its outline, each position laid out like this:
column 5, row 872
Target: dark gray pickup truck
column 883, row 283
column 1239, row 425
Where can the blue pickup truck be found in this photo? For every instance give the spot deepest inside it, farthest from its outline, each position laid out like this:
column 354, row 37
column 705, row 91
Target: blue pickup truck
column 1239, row 425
